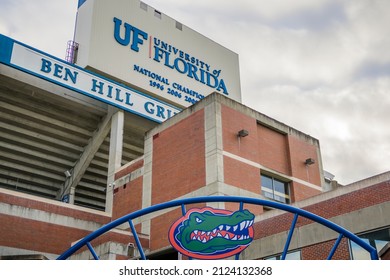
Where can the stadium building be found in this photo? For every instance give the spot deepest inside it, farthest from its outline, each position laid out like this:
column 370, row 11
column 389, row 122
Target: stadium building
column 142, row 111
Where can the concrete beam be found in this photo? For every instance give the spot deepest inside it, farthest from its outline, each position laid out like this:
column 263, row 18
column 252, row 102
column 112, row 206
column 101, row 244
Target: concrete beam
column 115, row 156
column 87, row 156
column 42, row 118
column 41, row 137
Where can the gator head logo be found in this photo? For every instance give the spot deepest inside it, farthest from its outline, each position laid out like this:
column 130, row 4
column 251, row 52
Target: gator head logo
column 209, row 233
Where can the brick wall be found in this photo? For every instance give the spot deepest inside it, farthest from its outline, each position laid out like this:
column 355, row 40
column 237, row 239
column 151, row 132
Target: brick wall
column 343, row 204
column 53, row 208
column 241, row 175
column 127, row 198
column 327, row 209
column 37, row 236
column 232, row 122
column 128, row 169
column 179, row 159
column 299, row 152
column 300, row 192
column 273, row 150
column 321, row 251
column 160, row 227
column 50, row 227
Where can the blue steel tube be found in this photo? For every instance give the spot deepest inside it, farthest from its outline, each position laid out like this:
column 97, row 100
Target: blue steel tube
column 140, row 249
column 336, row 244
column 290, row 234
column 248, row 200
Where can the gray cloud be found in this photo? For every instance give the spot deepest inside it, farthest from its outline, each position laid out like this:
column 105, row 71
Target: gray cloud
column 320, row 66
column 318, row 18
column 372, row 69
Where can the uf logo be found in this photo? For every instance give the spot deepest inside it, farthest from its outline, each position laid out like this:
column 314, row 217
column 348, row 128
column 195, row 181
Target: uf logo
column 210, row 233
column 132, row 35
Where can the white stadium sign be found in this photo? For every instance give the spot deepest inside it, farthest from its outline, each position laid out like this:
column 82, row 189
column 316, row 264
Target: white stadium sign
column 152, row 52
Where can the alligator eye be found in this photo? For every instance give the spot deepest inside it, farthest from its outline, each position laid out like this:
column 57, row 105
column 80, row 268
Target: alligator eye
column 198, row 220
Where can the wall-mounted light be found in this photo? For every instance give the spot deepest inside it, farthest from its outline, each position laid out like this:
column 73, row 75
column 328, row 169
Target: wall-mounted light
column 309, row 161
column 130, row 250
column 67, row 174
column 243, row 133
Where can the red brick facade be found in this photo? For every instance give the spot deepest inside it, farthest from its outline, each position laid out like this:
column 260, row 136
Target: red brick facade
column 330, row 208
column 178, row 165
column 179, row 159
column 198, row 153
column 51, row 227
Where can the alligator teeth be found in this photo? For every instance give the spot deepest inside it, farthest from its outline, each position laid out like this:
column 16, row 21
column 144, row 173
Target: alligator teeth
column 208, row 233
column 204, row 240
column 194, row 238
column 202, row 233
column 241, row 238
column 235, row 227
column 242, row 225
column 219, row 235
column 199, row 239
column 247, row 223
column 251, row 223
column 211, row 237
column 228, row 227
column 196, row 231
column 234, row 238
column 227, row 236
column 215, row 230
column 220, row 227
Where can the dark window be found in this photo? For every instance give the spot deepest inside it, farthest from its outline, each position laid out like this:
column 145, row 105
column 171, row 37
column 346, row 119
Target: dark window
column 377, row 239
column 143, row 6
column 169, row 254
column 275, row 189
column 157, row 14
column 179, row 25
column 296, row 255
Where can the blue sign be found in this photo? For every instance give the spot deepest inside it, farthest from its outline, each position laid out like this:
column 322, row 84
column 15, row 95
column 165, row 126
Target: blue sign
column 70, row 76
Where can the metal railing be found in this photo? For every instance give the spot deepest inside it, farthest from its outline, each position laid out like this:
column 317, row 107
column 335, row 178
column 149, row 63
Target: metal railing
column 86, row 241
column 71, row 51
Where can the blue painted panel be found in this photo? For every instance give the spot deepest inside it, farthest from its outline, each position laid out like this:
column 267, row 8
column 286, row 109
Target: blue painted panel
column 81, row 2
column 6, row 45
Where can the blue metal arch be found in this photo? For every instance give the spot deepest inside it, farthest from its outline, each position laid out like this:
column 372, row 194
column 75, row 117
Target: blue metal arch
column 241, row 200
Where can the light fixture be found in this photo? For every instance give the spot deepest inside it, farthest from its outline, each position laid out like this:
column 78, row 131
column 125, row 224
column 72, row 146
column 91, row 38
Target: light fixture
column 67, row 174
column 243, row 133
column 309, row 161
column 130, row 250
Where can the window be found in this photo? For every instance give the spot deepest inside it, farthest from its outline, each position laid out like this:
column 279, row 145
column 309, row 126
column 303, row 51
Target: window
column 143, row 6
column 377, row 239
column 157, row 14
column 179, row 25
column 275, row 189
column 296, row 255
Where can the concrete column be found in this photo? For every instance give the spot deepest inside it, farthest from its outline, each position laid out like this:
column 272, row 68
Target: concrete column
column 72, row 194
column 115, row 155
column 147, row 181
column 213, row 143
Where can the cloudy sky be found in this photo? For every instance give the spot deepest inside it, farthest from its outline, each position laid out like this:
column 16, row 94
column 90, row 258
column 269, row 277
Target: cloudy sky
column 322, row 67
